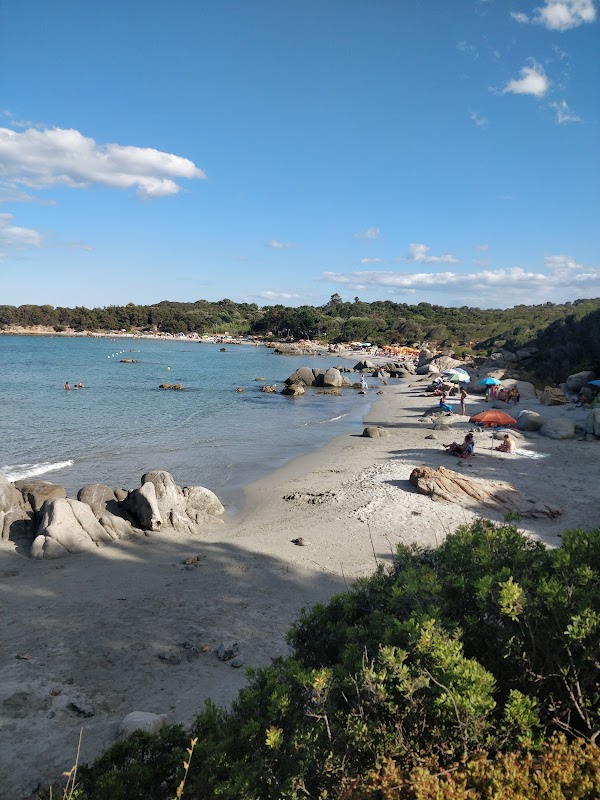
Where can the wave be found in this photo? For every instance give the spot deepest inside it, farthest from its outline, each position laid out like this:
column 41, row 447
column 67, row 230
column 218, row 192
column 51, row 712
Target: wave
column 17, row 472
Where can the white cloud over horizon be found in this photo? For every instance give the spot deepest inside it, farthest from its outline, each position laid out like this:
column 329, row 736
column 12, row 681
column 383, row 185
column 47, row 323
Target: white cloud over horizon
column 562, row 274
column 14, row 237
column 40, row 159
column 419, row 254
column 274, row 294
column 533, row 81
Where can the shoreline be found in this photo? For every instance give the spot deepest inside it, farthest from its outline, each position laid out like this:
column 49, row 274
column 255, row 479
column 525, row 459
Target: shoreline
column 132, row 628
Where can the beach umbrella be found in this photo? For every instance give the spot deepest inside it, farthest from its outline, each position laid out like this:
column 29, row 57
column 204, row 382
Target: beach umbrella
column 457, row 375
column 594, row 383
column 493, row 417
column 490, row 382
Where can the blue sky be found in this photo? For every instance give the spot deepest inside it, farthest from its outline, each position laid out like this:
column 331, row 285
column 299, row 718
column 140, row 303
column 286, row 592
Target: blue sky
column 278, row 152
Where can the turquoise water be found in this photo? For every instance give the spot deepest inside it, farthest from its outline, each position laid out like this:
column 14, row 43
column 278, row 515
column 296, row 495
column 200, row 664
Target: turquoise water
column 122, row 425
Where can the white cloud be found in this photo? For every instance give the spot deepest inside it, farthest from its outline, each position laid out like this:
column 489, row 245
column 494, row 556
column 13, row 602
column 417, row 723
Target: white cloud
column 562, row 15
column 518, row 16
column 533, row 81
column 468, row 49
column 40, row 159
column 564, row 114
column 483, row 247
column 276, row 245
column 478, row 119
column 419, row 253
column 370, row 233
column 371, row 260
column 272, row 294
column 14, row 237
column 562, row 276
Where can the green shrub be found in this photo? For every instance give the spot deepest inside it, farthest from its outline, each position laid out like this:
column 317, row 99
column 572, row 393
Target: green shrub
column 454, row 671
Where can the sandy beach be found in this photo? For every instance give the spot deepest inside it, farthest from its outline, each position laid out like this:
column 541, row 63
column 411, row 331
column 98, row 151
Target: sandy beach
column 91, row 638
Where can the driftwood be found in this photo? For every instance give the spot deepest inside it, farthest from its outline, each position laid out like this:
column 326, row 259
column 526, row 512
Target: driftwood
column 445, row 485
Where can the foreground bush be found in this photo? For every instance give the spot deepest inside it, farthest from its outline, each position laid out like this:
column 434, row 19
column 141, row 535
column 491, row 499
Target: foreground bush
column 456, row 667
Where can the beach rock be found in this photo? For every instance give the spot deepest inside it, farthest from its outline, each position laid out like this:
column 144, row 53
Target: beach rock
column 269, row 389
column 143, row 505
column 37, row 492
column 140, row 721
column 530, row 421
column 241, row 389
column 526, row 352
column 441, row 426
column 526, row 390
column 169, row 499
column 227, row 650
column 578, row 380
column 16, row 514
column 364, row 366
column 107, row 509
column 432, row 436
column 427, row 369
column 552, row 396
column 333, row 378
column 178, row 387
column 237, row 662
column 375, row 433
column 67, row 526
column 512, row 433
column 442, row 363
column 336, row 392
column 201, row 503
column 558, row 428
column 592, row 422
column 121, row 494
column 425, row 355
column 448, row 486
column 346, row 381
column 295, row 390
column 302, row 377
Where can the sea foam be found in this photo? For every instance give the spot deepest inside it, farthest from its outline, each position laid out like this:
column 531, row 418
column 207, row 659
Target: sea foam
column 16, row 472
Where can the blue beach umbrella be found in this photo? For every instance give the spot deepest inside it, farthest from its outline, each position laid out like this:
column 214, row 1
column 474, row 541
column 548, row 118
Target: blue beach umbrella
column 490, row 382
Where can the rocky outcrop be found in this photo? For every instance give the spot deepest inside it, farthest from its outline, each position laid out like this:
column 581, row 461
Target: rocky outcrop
column 101, row 515
column 552, row 396
column 530, row 421
column 269, row 389
column 364, row 366
column 331, row 378
column 67, row 526
column 447, row 486
column 304, row 376
column 558, row 428
column 140, row 721
column 178, row 387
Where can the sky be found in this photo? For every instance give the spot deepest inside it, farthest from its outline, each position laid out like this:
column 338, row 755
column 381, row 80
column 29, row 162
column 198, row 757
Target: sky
column 281, row 151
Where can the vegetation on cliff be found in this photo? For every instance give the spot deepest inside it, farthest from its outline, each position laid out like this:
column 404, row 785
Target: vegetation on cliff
column 466, row 671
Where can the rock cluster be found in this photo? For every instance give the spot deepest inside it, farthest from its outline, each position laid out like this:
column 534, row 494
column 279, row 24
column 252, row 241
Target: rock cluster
column 38, row 515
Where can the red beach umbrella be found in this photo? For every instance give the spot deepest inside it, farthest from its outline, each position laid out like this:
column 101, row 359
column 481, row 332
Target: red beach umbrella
column 493, row 417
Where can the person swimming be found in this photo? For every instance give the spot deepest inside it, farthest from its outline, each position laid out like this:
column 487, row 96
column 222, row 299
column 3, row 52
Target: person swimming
column 67, row 385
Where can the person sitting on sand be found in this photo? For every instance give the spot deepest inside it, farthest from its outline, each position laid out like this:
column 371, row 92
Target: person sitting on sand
column 508, row 445
column 464, row 450
column 443, row 405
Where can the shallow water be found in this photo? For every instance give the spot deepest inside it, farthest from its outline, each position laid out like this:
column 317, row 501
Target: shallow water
column 122, row 425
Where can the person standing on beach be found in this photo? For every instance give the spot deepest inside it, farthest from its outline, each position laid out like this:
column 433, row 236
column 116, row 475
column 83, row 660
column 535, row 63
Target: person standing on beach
column 363, row 384
column 463, row 401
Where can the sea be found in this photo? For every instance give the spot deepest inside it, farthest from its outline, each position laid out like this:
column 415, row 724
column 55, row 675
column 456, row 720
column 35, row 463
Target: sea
column 121, row 424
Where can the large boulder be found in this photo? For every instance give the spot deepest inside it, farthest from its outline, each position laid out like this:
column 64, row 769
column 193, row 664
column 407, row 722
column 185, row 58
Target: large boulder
column 108, row 510
column 592, row 423
column 425, row 355
column 526, row 390
column 37, row 492
column 201, row 504
column 444, row 362
column 364, row 366
column 67, row 526
column 331, row 377
column 530, row 421
column 182, row 509
column 16, row 515
column 552, row 396
column 143, row 505
column 302, row 377
column 558, row 428
column 372, row 432
column 427, row 369
column 578, row 380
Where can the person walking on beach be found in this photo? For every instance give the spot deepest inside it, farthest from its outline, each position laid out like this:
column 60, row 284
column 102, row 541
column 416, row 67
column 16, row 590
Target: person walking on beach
column 463, row 401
